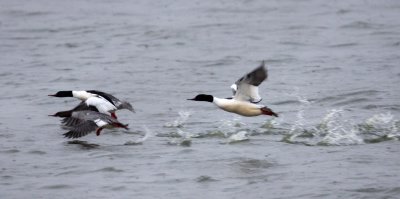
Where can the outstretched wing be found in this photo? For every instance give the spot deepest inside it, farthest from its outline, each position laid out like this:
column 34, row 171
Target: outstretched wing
column 81, row 129
column 247, row 86
column 70, row 121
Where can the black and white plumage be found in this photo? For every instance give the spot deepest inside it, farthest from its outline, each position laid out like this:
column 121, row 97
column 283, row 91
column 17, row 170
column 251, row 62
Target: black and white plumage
column 246, row 95
column 93, row 100
column 246, row 88
column 117, row 102
column 90, row 121
column 92, row 113
column 95, row 103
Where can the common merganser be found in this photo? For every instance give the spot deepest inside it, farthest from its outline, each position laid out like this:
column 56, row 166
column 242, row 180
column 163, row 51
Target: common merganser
column 104, row 102
column 84, row 95
column 245, row 99
column 92, row 121
column 97, row 104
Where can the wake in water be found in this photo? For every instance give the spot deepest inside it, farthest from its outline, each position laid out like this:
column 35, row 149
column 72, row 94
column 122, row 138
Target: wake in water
column 231, row 129
column 334, row 130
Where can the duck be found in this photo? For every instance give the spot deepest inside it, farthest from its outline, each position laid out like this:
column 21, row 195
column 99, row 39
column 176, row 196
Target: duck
column 246, row 98
column 102, row 101
column 92, row 104
column 91, row 121
column 83, row 95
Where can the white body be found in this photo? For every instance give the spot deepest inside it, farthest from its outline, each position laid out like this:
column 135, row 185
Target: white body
column 243, row 108
column 103, row 105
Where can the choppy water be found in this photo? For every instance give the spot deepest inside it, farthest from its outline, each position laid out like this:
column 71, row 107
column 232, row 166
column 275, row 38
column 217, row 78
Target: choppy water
column 334, row 78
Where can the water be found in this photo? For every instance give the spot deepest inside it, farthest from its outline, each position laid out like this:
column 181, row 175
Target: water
column 333, row 78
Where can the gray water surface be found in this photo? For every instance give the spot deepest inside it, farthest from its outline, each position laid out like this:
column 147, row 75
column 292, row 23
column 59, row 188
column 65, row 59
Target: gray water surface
column 334, row 79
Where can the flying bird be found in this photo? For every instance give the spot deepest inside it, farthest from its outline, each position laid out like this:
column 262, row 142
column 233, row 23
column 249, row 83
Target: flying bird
column 245, row 95
column 90, row 121
column 102, row 101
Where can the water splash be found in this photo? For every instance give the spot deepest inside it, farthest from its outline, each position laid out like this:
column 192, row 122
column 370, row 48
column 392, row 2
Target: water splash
column 380, row 127
column 184, row 134
column 299, row 125
column 146, row 136
column 230, row 127
column 273, row 123
column 179, row 121
column 238, row 137
column 185, row 139
column 333, row 130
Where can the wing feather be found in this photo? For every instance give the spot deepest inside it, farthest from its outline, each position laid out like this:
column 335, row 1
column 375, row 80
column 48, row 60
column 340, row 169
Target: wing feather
column 81, row 129
column 70, row 121
column 247, row 86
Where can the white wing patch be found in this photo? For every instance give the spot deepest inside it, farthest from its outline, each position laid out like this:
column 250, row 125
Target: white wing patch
column 234, row 89
column 246, row 88
column 100, row 123
column 247, row 92
column 101, row 104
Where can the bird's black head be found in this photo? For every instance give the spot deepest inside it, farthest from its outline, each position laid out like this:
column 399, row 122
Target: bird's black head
column 203, row 97
column 63, row 94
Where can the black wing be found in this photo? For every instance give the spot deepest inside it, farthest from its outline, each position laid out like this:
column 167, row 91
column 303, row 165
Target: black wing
column 246, row 88
column 81, row 129
column 70, row 121
column 113, row 100
column 255, row 77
